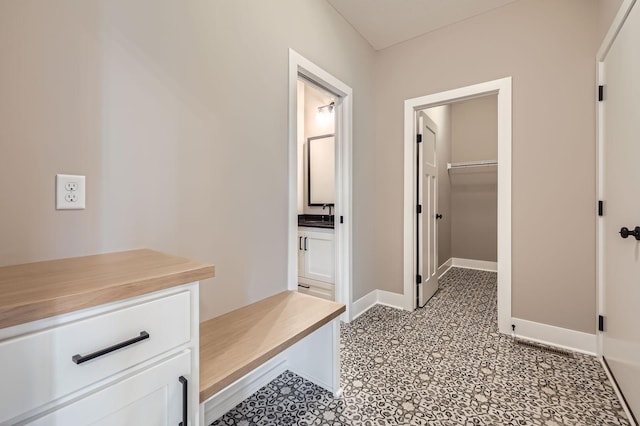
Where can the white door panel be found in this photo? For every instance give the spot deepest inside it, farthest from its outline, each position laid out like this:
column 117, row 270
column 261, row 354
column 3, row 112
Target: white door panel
column 621, row 339
column 427, row 197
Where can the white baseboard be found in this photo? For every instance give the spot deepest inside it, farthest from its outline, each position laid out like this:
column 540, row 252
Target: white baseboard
column 618, row 392
column 363, row 304
column 564, row 338
column 377, row 297
column 481, row 265
column 242, row 388
column 445, row 267
column 387, row 298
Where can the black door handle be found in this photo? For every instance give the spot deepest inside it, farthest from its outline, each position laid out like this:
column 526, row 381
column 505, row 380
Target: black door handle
column 305, row 243
column 300, row 243
column 79, row 359
column 185, row 412
column 438, row 216
column 625, row 232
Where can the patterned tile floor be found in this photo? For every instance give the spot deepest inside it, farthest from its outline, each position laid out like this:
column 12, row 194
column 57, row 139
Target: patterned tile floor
column 444, row 364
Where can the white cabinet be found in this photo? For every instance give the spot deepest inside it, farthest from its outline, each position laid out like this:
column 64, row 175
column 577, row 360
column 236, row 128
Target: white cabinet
column 154, row 396
column 316, row 262
column 114, row 364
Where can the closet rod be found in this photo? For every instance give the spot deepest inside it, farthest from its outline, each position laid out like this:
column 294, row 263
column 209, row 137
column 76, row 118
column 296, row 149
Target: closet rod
column 483, row 163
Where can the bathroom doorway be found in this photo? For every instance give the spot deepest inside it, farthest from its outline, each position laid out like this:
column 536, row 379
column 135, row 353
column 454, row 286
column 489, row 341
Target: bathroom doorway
column 320, row 111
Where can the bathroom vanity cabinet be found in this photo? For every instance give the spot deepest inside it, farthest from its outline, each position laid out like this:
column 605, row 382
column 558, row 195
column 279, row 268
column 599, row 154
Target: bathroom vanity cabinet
column 316, row 262
column 109, row 339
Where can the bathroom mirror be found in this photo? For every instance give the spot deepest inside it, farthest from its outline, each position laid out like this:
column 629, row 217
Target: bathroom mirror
column 321, row 170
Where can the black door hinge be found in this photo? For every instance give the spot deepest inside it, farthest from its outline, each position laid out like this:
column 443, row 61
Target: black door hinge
column 419, row 138
column 600, row 93
column 419, row 208
column 600, row 323
column 418, row 279
column 600, row 208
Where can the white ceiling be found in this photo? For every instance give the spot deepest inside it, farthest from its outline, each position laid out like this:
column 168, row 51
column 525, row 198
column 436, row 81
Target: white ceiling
column 387, row 22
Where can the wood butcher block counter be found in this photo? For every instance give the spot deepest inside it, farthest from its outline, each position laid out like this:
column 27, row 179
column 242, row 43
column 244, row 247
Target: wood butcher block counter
column 40, row 290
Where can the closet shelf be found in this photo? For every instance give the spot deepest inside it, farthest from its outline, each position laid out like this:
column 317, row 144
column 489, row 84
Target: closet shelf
column 462, row 165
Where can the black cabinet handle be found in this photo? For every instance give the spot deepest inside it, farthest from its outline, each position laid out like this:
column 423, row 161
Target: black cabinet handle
column 185, row 387
column 303, row 286
column 300, row 243
column 79, row 359
column 305, row 243
column 625, row 232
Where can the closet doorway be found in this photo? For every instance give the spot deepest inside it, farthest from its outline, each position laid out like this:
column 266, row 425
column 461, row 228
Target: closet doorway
column 468, row 192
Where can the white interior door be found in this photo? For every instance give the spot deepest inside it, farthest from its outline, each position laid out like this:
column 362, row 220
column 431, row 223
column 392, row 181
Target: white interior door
column 621, row 337
column 427, row 197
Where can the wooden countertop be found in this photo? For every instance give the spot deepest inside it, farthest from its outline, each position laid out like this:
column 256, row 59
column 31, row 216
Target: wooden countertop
column 33, row 291
column 233, row 344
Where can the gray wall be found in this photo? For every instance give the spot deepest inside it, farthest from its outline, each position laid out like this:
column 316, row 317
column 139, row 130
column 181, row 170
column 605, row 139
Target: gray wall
column 150, row 100
column 176, row 111
column 548, row 47
column 474, row 192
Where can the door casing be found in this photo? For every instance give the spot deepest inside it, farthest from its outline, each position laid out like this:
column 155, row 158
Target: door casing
column 501, row 88
column 300, row 66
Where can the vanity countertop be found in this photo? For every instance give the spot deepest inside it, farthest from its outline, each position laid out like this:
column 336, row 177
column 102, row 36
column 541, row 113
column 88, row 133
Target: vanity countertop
column 34, row 291
column 316, row 221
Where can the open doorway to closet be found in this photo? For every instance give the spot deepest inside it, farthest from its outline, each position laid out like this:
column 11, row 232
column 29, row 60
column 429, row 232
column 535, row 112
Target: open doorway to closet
column 462, row 183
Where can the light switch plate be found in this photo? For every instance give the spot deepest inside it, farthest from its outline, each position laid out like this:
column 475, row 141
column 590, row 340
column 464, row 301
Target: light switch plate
column 70, row 192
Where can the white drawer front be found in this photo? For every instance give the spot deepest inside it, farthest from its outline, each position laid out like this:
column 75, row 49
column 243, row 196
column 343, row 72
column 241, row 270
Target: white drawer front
column 38, row 368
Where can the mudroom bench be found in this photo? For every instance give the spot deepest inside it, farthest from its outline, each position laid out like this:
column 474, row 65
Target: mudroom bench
column 245, row 349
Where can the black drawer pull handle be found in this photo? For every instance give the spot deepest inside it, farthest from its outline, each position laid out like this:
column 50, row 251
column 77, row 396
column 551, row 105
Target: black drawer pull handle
column 185, row 387
column 303, row 286
column 79, row 359
column 625, row 232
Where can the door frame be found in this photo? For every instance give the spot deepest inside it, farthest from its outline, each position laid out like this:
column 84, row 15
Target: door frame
column 300, row 66
column 501, row 88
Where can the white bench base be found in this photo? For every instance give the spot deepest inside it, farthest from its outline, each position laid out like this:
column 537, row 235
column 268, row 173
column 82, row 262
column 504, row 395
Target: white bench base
column 315, row 358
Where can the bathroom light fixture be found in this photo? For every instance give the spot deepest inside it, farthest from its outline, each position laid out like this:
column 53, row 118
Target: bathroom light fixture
column 329, row 107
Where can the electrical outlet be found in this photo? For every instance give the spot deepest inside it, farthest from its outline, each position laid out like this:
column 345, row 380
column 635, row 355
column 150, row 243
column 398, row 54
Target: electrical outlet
column 70, row 192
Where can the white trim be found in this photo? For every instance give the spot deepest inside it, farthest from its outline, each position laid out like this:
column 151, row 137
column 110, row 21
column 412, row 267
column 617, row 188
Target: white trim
column 481, row 265
column 241, row 389
column 376, row 297
column 614, row 29
column 502, row 88
column 387, row 298
column 363, row 304
column 442, row 269
column 298, row 65
column 618, row 392
column 564, row 338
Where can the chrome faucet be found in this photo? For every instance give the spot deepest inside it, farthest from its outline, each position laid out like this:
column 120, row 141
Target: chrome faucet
column 324, row 206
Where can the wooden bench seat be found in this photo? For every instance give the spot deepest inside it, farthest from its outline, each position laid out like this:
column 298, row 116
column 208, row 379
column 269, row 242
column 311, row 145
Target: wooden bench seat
column 236, row 343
